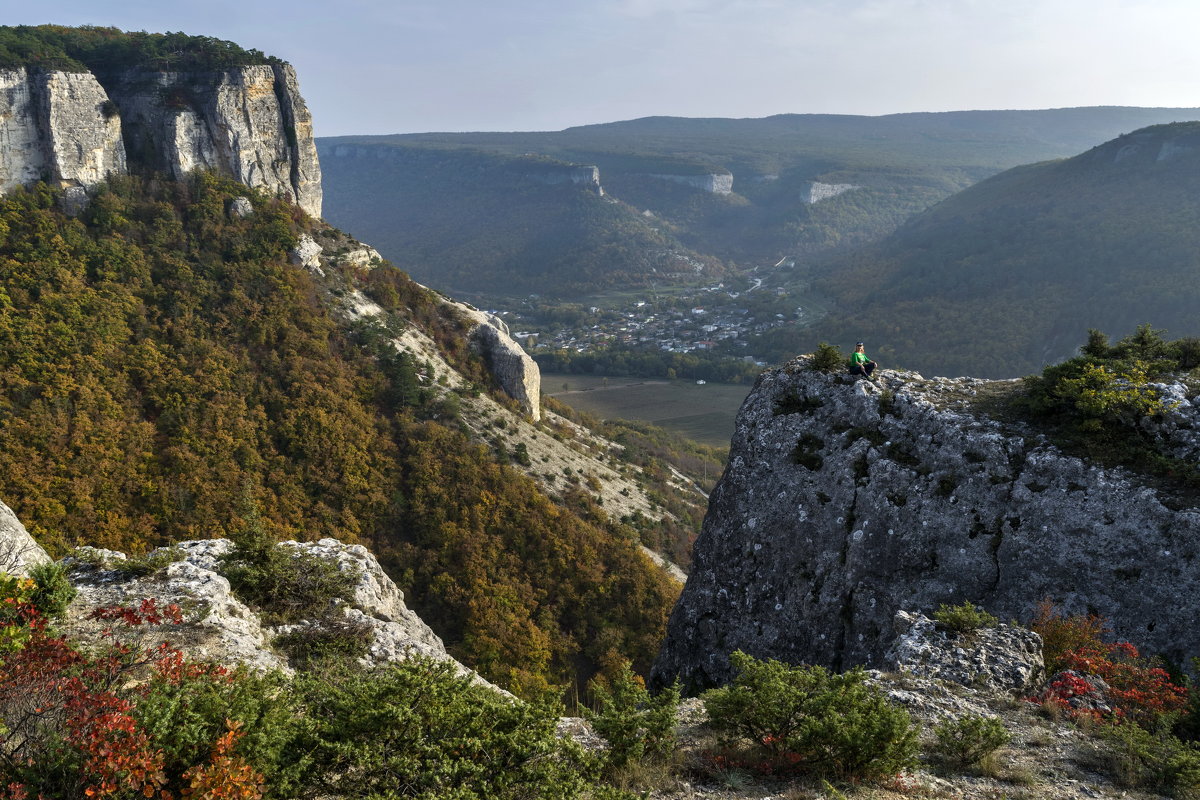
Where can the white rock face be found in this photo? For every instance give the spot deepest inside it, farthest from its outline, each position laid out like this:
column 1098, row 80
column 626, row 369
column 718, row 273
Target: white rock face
column 816, row 192
column 18, row 550
column 53, row 124
column 375, row 595
column 363, row 257
column 85, row 144
column 220, row 628
column 241, row 207
column 515, row 371
column 249, row 123
column 307, row 254
column 716, row 183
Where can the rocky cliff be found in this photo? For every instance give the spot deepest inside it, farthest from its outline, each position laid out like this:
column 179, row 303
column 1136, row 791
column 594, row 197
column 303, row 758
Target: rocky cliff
column 218, row 626
column 77, row 128
column 815, row 191
column 715, row 183
column 846, row 501
column 59, row 126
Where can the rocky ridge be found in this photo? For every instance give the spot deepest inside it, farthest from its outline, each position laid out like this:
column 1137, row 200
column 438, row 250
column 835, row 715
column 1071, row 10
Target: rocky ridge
column 845, row 501
column 218, row 626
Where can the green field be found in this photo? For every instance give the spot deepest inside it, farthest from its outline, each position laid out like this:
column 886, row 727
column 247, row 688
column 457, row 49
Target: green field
column 701, row 413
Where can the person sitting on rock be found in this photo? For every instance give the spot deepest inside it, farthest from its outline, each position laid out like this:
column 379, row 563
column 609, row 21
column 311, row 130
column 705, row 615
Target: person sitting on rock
column 859, row 363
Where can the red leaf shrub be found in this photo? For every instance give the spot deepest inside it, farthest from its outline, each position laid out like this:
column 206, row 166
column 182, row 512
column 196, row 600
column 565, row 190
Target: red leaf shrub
column 1139, row 689
column 67, row 722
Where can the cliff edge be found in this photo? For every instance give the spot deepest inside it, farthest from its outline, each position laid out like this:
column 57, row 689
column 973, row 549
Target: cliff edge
column 844, row 502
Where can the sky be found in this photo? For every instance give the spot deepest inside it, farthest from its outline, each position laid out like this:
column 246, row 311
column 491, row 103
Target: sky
column 405, row 66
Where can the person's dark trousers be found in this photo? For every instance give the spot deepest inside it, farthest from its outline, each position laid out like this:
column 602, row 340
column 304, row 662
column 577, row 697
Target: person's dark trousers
column 863, row 369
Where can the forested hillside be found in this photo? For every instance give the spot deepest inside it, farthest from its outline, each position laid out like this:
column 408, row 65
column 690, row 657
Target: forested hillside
column 166, row 373
column 1006, row 276
column 470, row 222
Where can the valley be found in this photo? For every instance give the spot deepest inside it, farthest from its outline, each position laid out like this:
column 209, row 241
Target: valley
column 702, row 413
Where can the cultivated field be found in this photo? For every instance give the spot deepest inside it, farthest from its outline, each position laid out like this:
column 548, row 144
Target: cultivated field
column 701, row 413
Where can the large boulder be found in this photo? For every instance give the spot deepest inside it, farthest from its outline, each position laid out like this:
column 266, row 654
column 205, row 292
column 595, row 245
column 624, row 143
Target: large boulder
column 517, row 373
column 845, row 501
column 999, row 660
column 18, row 551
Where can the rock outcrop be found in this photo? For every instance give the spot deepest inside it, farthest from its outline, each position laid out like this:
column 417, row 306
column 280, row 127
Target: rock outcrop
column 59, row 126
column 78, row 128
column 517, row 373
column 1000, row 660
column 714, row 183
column 846, row 501
column 220, row 628
column 18, row 550
column 816, row 191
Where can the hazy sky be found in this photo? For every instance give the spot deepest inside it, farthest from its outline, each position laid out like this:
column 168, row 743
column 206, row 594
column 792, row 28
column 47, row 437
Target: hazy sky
column 380, row 66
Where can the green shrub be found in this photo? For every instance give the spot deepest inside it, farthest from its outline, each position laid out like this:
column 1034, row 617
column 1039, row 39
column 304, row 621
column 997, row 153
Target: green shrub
column 808, row 719
column 963, row 619
column 635, row 724
column 315, row 646
column 828, row 358
column 966, row 741
column 148, row 564
column 286, row 584
column 53, row 591
column 416, row 729
column 1137, row 758
column 184, row 712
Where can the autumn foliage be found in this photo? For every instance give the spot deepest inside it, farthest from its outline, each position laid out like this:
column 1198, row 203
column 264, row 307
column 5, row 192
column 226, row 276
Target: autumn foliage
column 1138, row 688
column 166, row 372
column 70, row 724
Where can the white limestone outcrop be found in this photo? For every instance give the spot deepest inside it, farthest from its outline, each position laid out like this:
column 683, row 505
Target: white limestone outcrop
column 816, row 191
column 249, row 123
column 517, row 373
column 18, row 550
column 219, row 627
column 713, row 183
column 60, row 126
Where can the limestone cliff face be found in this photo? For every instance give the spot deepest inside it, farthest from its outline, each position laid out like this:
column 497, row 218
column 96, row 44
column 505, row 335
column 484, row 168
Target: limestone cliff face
column 816, row 191
column 77, row 128
column 58, row 126
column 246, row 122
column 846, row 501
column 517, row 373
column 716, row 183
column 575, row 174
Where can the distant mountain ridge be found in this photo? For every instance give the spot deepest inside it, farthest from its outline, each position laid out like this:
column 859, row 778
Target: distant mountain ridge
column 1009, row 274
column 755, row 209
